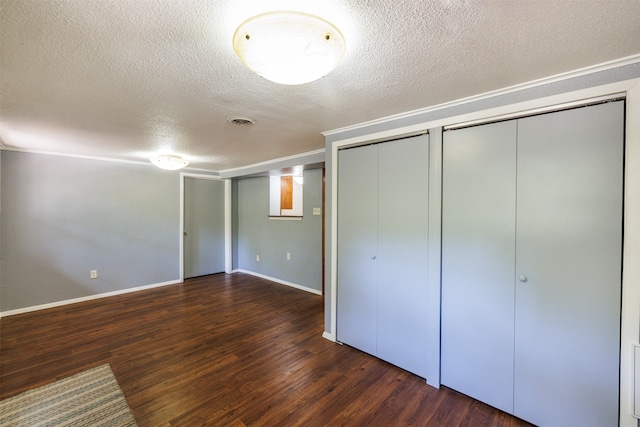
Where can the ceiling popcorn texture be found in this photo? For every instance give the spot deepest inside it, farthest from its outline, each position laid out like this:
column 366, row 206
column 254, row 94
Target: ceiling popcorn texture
column 127, row 79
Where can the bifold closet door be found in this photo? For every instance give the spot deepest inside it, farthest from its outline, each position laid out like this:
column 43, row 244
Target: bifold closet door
column 357, row 247
column 531, row 264
column 403, row 236
column 478, row 259
column 383, row 251
column 569, row 249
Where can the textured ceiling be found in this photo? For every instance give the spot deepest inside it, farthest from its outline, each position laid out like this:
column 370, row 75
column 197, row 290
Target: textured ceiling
column 125, row 79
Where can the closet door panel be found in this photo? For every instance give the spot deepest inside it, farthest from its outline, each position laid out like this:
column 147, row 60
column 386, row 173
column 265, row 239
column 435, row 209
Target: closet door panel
column 357, row 247
column 569, row 240
column 478, row 262
column 402, row 253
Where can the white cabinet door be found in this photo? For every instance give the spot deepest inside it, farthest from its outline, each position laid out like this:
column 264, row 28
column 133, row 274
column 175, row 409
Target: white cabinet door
column 569, row 247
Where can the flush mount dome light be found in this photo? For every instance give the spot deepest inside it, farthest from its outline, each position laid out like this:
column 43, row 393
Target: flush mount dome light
column 169, row 162
column 290, row 48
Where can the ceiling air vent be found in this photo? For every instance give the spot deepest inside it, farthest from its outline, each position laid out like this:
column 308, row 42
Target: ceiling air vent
column 242, row 120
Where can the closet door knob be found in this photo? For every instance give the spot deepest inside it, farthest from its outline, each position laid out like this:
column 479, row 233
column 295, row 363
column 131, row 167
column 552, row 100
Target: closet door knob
column 373, row 257
column 522, row 278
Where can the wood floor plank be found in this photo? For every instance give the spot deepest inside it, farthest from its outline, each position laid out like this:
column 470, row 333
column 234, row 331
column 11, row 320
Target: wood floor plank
column 226, row 350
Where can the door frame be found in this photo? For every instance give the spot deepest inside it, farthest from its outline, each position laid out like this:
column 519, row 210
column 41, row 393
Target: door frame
column 227, row 219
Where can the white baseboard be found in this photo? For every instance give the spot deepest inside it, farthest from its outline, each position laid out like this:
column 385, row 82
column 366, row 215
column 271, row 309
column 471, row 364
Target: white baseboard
column 282, row 282
column 328, row 336
column 87, row 298
column 142, row 288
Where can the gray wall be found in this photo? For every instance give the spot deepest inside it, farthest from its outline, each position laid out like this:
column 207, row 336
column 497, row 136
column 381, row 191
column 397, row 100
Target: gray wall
column 272, row 239
column 63, row 217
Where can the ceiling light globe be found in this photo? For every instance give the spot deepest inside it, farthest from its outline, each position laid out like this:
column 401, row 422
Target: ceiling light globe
column 169, row 162
column 289, row 47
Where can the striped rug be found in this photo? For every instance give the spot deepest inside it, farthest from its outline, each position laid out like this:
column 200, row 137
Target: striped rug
column 90, row 398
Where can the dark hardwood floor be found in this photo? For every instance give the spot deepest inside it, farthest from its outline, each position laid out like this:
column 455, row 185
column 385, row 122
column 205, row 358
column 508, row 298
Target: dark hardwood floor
column 226, row 350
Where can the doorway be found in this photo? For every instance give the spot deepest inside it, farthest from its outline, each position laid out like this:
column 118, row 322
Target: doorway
column 205, row 224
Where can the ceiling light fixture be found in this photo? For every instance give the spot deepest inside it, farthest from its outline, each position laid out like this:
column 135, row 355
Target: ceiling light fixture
column 290, row 48
column 169, row 161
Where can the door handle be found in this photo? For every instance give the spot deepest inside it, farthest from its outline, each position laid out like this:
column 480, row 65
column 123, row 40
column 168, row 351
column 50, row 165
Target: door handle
column 373, row 257
column 185, row 232
column 522, row 278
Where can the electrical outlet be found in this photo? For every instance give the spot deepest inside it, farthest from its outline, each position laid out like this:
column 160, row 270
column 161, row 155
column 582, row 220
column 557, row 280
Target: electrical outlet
column 94, row 274
column 258, row 258
column 288, row 255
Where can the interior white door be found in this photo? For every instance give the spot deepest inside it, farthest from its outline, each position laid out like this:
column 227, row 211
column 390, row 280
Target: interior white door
column 204, row 233
column 568, row 268
column 357, row 297
column 531, row 264
column 403, row 237
column 383, row 251
column 478, row 262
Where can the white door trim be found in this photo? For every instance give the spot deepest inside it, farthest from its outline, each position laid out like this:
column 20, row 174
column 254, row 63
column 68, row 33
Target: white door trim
column 227, row 219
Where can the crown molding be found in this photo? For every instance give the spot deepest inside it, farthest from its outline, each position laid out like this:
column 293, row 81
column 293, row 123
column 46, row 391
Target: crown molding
column 609, row 65
column 272, row 164
column 104, row 159
column 227, row 172
column 77, row 156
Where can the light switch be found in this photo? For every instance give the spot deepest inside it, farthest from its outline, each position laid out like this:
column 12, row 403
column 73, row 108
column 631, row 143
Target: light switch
column 317, row 211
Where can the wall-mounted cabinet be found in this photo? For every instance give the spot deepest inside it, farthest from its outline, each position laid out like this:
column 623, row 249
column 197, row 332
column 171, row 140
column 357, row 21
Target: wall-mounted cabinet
column 383, row 249
column 531, row 264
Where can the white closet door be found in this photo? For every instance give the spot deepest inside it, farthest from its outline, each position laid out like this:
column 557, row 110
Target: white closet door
column 403, row 235
column 357, row 247
column 569, row 242
column 478, row 260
